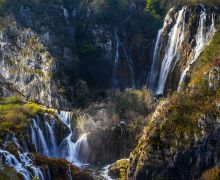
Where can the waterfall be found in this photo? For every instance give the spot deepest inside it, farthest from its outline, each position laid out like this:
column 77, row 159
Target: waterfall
column 131, row 67
column 156, row 55
column 11, row 161
column 29, row 164
column 53, row 141
column 116, row 70
column 65, row 12
column 24, row 165
column 116, row 62
column 202, row 38
column 176, row 38
column 68, row 149
column 2, row 40
column 38, row 138
column 45, row 141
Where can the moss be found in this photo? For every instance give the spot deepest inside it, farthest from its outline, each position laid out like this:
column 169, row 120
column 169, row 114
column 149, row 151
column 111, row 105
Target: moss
column 8, row 173
column 133, row 102
column 60, row 168
column 211, row 174
column 119, row 169
column 15, row 115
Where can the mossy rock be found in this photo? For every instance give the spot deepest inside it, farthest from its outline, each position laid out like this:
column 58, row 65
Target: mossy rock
column 211, row 174
column 8, row 173
column 60, row 169
column 119, row 169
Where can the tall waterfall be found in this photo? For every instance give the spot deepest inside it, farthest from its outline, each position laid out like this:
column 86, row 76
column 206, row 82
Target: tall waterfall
column 116, row 62
column 176, row 37
column 130, row 66
column 166, row 57
column 202, row 38
column 156, row 55
column 116, row 71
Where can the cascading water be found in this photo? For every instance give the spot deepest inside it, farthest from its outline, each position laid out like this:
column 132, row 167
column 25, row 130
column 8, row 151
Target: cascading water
column 202, row 38
column 53, row 141
column 129, row 63
column 116, row 62
column 176, row 37
column 68, row 149
column 2, row 40
column 156, row 55
column 130, row 66
column 24, row 164
column 38, row 138
column 46, row 142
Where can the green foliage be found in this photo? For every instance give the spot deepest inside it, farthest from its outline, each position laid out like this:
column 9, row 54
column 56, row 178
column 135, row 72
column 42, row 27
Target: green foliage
column 154, row 8
column 133, row 102
column 14, row 115
column 119, row 169
column 110, row 10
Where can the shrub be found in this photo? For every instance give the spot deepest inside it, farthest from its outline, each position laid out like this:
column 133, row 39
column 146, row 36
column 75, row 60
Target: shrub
column 14, row 115
column 119, row 169
column 211, row 174
column 133, row 102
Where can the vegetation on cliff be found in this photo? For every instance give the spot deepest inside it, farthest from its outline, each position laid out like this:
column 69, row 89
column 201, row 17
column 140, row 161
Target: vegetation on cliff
column 186, row 118
column 15, row 115
column 119, row 169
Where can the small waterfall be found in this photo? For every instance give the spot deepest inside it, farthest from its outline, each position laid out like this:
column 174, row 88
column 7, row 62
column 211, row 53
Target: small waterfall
column 45, row 141
column 24, row 164
column 11, row 161
column 116, row 62
column 65, row 12
column 28, row 163
column 176, row 38
column 116, row 71
column 131, row 67
column 2, row 40
column 68, row 149
column 53, row 141
column 202, row 38
column 38, row 138
column 156, row 55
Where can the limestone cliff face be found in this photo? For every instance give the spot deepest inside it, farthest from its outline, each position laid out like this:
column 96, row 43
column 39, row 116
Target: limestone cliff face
column 50, row 47
column 35, row 48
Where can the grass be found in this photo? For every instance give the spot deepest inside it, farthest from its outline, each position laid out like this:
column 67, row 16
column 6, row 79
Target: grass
column 15, row 115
